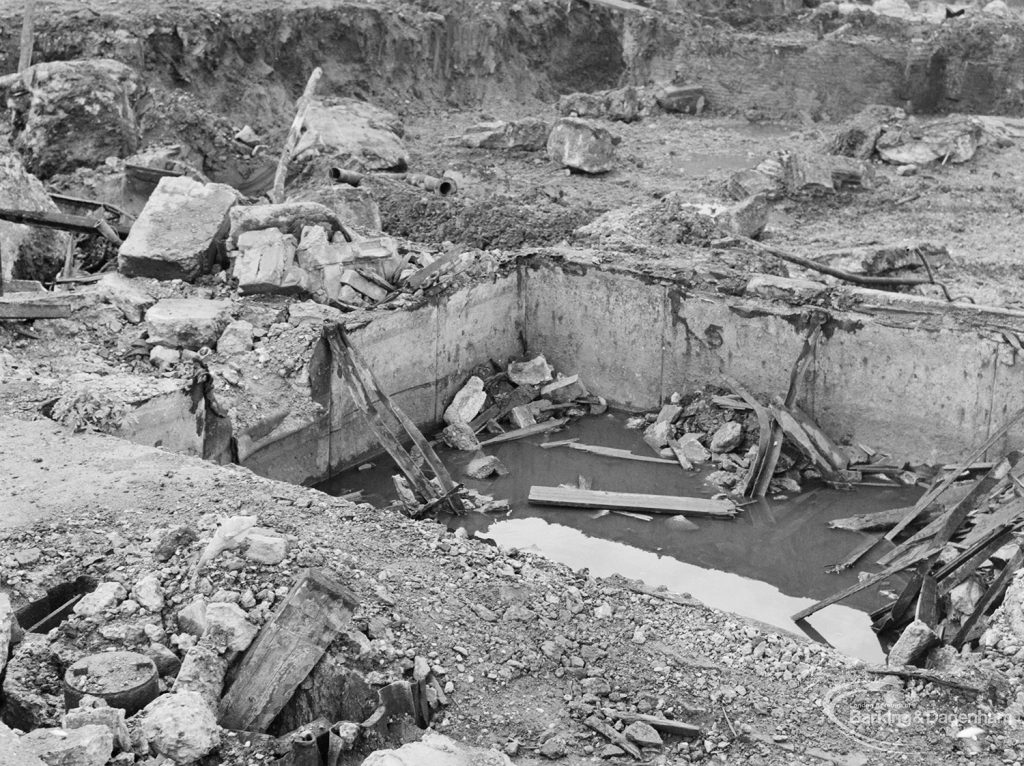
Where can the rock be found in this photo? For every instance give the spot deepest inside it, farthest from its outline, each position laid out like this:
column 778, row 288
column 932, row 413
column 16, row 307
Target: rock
column 179, row 231
column 29, row 252
column 692, row 449
column 529, row 134
column 32, row 691
column 437, row 750
column 534, row 372
column 288, row 218
column 164, row 358
column 808, row 174
column 187, row 322
column 522, row 416
column 623, row 104
column 907, row 170
column 355, row 207
column 857, row 135
column 657, row 435
column 564, row 389
column 727, row 438
column 169, row 540
column 744, row 219
column 180, row 726
column 92, row 711
column 227, row 628
column 265, row 263
column 202, row 671
column 192, row 618
column 7, row 625
column 996, row 8
column 744, row 184
column 89, row 745
column 685, row 99
column 265, row 546
column 949, row 139
column 354, row 134
column 311, row 312
column 467, row 402
column 167, row 662
column 76, row 114
column 643, row 734
column 1011, row 612
column 596, row 685
column 236, row 338
column 483, row 467
column 126, row 294
column 13, row 752
column 915, row 639
column 148, row 593
column 106, row 596
column 461, row 437
column 581, row 145
column 554, row 747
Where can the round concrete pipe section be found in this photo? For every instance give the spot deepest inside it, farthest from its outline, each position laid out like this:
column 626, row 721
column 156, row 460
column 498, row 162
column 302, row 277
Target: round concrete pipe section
column 125, row 680
column 343, row 176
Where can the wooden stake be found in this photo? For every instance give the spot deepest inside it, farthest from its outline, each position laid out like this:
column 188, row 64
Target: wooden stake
column 27, row 36
column 277, row 191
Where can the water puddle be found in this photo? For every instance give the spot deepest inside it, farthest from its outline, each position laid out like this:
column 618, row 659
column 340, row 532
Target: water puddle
column 766, row 564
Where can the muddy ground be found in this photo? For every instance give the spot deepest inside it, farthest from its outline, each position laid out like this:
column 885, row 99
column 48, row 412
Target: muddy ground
column 530, row 648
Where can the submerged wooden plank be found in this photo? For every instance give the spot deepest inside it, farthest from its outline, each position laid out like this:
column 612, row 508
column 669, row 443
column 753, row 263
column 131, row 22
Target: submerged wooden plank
column 522, row 433
column 630, row 501
column 625, row 454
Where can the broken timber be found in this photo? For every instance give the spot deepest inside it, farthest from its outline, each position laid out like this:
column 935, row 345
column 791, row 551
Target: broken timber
column 290, row 142
column 664, row 725
column 79, row 224
column 625, row 454
column 286, row 650
column 630, row 501
column 522, row 433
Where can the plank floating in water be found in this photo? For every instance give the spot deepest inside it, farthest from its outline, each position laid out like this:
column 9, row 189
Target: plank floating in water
column 630, row 501
column 595, row 449
column 522, row 433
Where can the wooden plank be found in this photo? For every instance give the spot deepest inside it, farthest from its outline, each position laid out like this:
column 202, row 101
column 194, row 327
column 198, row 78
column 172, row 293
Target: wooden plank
column 292, row 139
column 993, row 594
column 664, row 725
column 879, row 520
column 927, row 603
column 62, row 221
column 522, row 433
column 967, row 563
column 824, row 444
column 985, row 523
column 290, row 644
column 613, row 736
column 874, row 579
column 630, row 501
column 798, row 435
column 625, row 454
column 28, row 36
column 918, row 674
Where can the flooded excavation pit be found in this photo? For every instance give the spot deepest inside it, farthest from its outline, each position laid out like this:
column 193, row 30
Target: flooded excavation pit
column 766, row 564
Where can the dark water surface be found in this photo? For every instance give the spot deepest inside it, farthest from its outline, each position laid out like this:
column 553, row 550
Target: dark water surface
column 767, row 563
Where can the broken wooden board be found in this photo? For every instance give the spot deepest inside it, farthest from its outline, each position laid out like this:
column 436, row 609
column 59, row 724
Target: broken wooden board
column 290, row 644
column 625, row 454
column 664, row 725
column 616, row 738
column 811, row 440
column 61, row 221
column 879, row 520
column 568, row 497
column 522, row 433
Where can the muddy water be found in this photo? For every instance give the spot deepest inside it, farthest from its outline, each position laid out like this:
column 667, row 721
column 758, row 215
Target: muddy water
column 766, row 564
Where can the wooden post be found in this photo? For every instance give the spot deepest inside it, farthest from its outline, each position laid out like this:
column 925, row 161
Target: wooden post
column 286, row 650
column 277, row 191
column 27, row 36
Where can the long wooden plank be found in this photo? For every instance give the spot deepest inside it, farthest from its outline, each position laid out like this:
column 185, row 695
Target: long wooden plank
column 522, row 433
column 625, row 454
column 764, row 424
column 630, row 501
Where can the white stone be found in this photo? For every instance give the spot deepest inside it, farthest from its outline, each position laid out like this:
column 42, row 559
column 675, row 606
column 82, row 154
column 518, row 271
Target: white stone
column 265, row 547
column 643, row 734
column 202, row 671
column 534, row 372
column 581, row 145
column 164, row 358
column 90, row 745
column 180, row 726
column 236, row 338
column 265, row 263
column 467, row 403
column 176, row 235
column 227, row 628
column 126, row 294
column 996, row 8
column 915, row 639
column 106, row 596
column 100, row 714
column 192, row 618
column 29, row 251
column 148, row 593
column 965, row 596
column 187, row 322
column 437, row 750
column 727, row 437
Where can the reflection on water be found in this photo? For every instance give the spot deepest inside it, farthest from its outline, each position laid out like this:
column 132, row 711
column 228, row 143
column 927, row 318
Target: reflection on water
column 766, row 564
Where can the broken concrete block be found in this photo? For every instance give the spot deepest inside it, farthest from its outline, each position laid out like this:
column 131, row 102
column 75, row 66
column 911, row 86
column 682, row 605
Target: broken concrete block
column 167, row 662
column 29, row 252
column 581, row 145
column 565, row 389
column 77, row 114
column 354, row 133
column 744, row 184
column 856, row 136
column 236, row 338
column 727, row 438
column 265, row 263
column 808, row 174
column 467, row 402
column 178, row 233
column 311, row 312
column 623, row 104
column 643, row 734
column 461, row 437
column 522, row 416
column 148, row 593
column 264, row 546
column 533, row 372
column 202, row 671
column 965, row 596
column 126, row 294
column 180, row 726
column 92, row 711
column 362, row 285
column 187, row 322
column 227, row 628
column 692, row 449
column 437, row 750
column 13, row 752
column 529, row 134
column 744, row 219
column 287, row 217
column 355, row 207
column 90, row 745
column 950, row 139
column 106, row 596
column 192, row 618
column 164, row 358
column 915, row 639
column 658, row 434
column 485, row 466
column 32, row 691
column 685, row 99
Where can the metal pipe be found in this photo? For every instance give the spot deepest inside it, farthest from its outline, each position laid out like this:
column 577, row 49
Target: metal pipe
column 343, row 176
column 443, row 186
